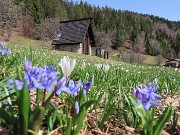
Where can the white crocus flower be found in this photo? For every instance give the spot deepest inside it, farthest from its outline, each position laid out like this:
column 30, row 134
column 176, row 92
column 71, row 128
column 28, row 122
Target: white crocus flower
column 83, row 65
column 67, row 65
column 99, row 66
column 106, row 67
column 122, row 68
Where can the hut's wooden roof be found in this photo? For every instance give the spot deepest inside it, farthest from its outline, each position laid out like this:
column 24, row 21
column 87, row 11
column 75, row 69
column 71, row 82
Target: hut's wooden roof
column 73, row 32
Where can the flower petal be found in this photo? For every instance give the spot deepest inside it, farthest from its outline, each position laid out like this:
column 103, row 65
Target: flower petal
column 147, row 105
column 76, row 107
column 28, row 65
column 71, row 84
column 73, row 63
column 86, row 86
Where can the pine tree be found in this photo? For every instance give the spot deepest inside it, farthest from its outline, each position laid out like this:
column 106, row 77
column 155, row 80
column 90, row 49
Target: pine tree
column 149, row 49
column 36, row 10
column 119, row 40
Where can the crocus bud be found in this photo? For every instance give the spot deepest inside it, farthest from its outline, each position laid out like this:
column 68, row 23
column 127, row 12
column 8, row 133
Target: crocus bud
column 28, row 65
column 76, row 107
column 67, row 65
column 4, row 51
column 86, row 86
column 1, row 44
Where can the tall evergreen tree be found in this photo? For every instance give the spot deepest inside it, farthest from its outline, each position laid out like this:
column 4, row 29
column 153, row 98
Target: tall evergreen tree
column 36, row 10
column 119, row 40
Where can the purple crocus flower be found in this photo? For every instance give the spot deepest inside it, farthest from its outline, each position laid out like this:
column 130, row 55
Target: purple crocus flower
column 74, row 88
column 86, row 86
column 1, row 44
column 76, row 107
column 33, row 77
column 49, row 78
column 71, row 88
column 17, row 83
column 37, row 78
column 61, row 86
column 4, row 51
column 146, row 96
column 31, row 80
column 46, row 78
column 28, row 65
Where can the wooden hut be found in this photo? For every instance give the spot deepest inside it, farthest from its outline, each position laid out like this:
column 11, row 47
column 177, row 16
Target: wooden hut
column 173, row 63
column 75, row 36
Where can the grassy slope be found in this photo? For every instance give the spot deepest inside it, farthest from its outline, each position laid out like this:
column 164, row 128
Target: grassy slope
column 152, row 60
column 149, row 60
column 29, row 42
column 26, row 42
column 21, row 41
column 129, row 75
column 42, row 56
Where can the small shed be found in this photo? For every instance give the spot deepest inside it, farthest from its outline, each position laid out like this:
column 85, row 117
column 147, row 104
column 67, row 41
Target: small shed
column 173, row 63
column 75, row 36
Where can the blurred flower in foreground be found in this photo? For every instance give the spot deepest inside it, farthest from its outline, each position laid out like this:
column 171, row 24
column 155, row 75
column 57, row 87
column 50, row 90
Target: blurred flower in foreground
column 99, row 66
column 67, row 65
column 147, row 95
column 61, row 86
column 86, row 86
column 28, row 65
column 73, row 89
column 36, row 77
column 1, row 44
column 106, row 67
column 76, row 107
column 4, row 51
column 83, row 65
column 46, row 78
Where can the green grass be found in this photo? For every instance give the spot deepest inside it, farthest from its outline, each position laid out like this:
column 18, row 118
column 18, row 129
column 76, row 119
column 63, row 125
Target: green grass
column 41, row 56
column 152, row 60
column 22, row 41
column 148, row 60
column 113, row 55
column 110, row 88
column 19, row 43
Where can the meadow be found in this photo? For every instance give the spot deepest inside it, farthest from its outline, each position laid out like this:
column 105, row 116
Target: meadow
column 108, row 107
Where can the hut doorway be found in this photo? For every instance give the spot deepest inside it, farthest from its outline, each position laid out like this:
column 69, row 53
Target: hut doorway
column 86, row 45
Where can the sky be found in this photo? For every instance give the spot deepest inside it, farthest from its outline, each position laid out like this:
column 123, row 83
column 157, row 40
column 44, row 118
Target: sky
column 168, row 9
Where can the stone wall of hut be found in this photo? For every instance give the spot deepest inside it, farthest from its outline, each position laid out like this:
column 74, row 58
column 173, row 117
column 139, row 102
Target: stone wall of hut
column 70, row 48
column 76, row 48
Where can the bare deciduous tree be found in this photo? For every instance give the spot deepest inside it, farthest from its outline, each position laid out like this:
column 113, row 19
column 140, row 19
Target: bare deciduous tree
column 164, row 27
column 8, row 16
column 160, row 59
column 25, row 23
column 156, row 47
column 104, row 40
column 8, row 13
column 125, row 57
column 132, row 57
column 140, row 43
column 136, row 58
column 48, row 29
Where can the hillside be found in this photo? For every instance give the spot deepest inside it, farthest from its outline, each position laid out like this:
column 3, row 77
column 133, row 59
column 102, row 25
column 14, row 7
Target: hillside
column 21, row 42
column 147, row 34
